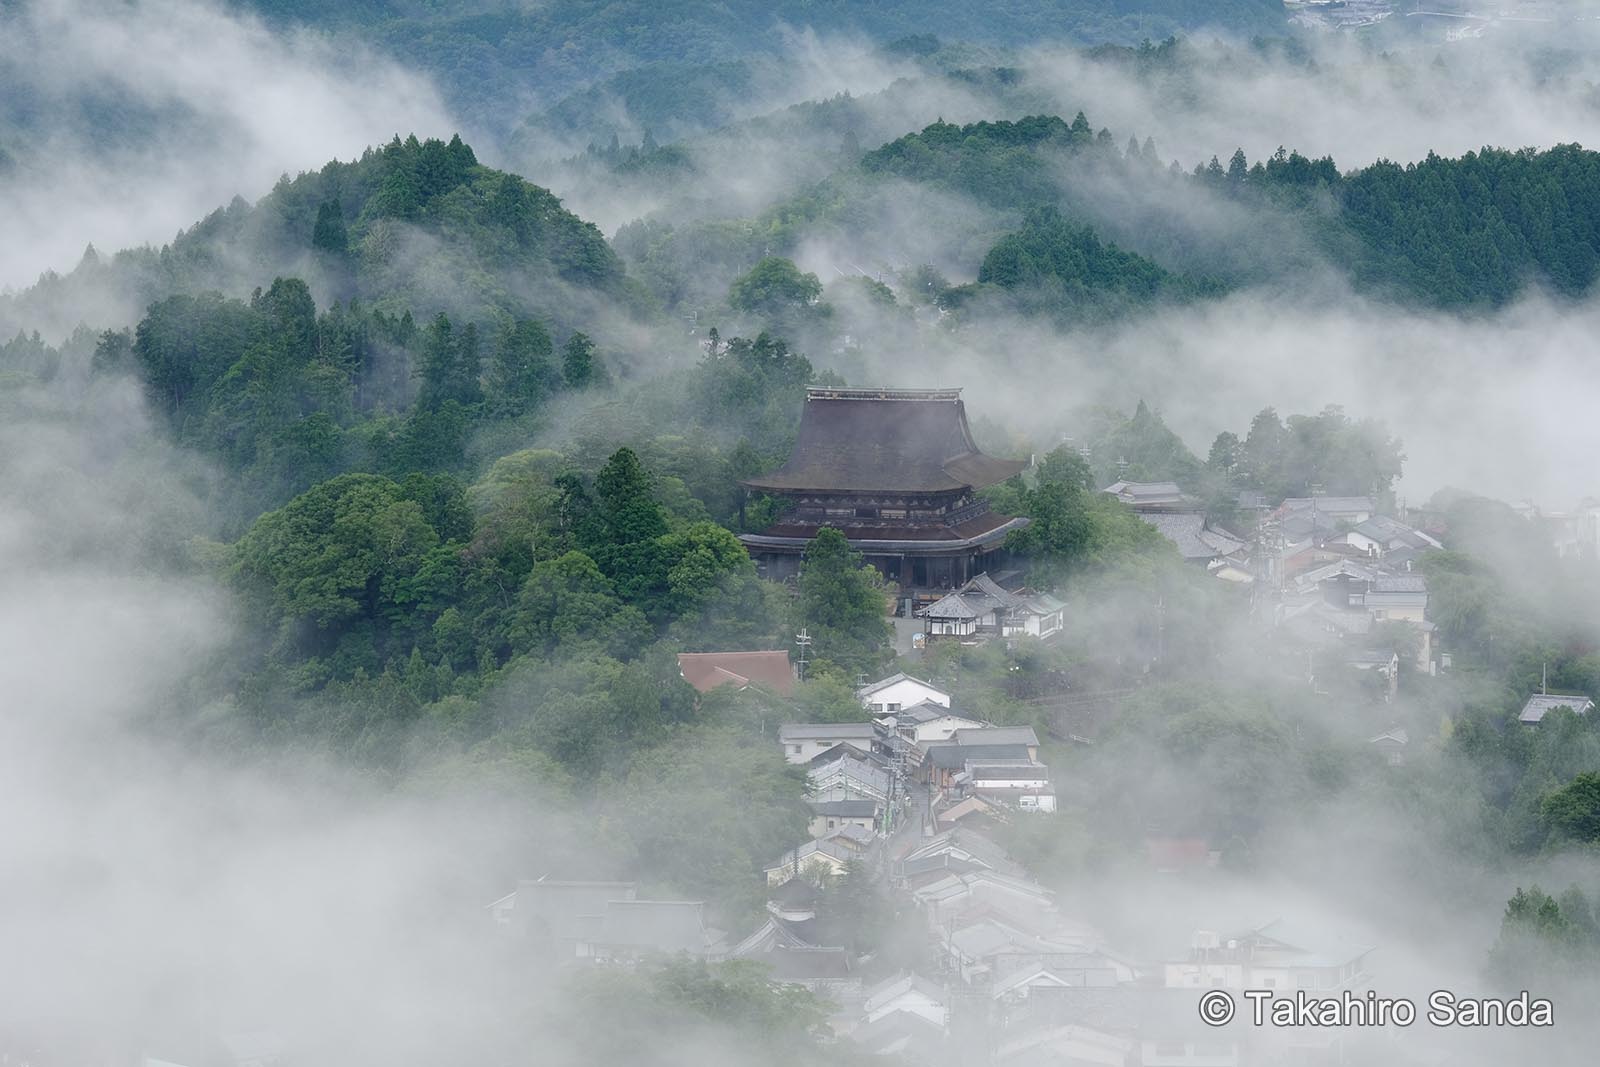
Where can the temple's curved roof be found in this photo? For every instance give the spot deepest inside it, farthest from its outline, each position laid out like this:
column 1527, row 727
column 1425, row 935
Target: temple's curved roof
column 885, row 440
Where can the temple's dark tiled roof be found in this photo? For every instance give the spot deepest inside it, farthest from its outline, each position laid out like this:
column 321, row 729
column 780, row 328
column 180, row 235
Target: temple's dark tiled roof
column 878, row 440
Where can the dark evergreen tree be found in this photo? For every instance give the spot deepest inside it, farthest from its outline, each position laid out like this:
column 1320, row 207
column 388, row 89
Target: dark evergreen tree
column 329, row 234
column 580, row 366
column 521, row 374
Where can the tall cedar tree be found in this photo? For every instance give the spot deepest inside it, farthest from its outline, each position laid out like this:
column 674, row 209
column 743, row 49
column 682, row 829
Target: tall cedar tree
column 330, row 235
column 624, row 528
column 521, row 373
column 579, row 364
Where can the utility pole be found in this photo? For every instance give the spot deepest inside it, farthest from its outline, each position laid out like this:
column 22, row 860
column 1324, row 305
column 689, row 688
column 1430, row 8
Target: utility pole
column 1161, row 630
column 803, row 640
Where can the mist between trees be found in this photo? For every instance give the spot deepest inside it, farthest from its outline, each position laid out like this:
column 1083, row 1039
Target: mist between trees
column 352, row 536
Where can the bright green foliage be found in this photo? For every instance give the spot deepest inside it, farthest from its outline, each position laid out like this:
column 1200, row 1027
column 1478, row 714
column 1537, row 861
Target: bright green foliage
column 1072, row 527
column 841, row 602
column 1064, row 465
column 622, row 525
column 627, row 511
column 772, row 287
column 353, row 553
column 567, row 599
column 701, row 561
column 1008, row 164
column 1572, row 813
column 1051, row 265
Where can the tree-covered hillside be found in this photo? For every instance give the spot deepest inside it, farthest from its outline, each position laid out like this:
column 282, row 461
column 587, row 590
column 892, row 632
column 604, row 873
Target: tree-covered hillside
column 1473, row 231
column 488, row 55
column 412, row 226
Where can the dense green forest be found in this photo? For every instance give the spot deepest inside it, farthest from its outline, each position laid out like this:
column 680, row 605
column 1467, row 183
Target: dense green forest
column 478, row 53
column 460, row 474
column 1470, row 232
column 1473, row 230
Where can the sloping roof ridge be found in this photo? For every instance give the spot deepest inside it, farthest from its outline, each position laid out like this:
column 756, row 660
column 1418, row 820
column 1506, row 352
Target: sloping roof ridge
column 898, row 676
column 993, row 590
column 946, row 607
column 825, row 392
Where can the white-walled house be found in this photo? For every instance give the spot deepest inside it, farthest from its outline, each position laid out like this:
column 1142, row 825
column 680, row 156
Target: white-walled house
column 897, row 691
column 1392, row 745
column 804, row 741
column 848, row 778
column 982, row 607
column 1026, row 785
column 817, row 858
column 999, row 735
column 828, row 816
column 927, row 721
column 906, row 992
column 1039, row 615
column 1007, row 774
column 1400, row 596
column 1269, row 957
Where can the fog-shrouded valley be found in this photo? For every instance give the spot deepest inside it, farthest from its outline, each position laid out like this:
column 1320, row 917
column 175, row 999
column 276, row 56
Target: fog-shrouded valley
column 1062, row 532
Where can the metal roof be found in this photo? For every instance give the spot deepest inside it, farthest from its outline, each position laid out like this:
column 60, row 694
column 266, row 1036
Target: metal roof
column 884, row 683
column 822, row 731
column 1541, row 704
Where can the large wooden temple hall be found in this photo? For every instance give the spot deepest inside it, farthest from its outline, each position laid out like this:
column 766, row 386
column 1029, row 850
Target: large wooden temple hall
column 897, row 472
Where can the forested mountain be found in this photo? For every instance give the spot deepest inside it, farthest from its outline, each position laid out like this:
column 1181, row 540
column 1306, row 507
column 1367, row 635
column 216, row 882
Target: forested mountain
column 484, row 53
column 451, row 463
column 1477, row 230
column 413, row 225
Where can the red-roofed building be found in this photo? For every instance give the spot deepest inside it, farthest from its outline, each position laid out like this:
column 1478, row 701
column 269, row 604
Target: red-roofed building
column 1174, row 855
column 708, row 670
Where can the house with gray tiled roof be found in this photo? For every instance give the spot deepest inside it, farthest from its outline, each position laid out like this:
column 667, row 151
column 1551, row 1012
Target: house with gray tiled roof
column 982, row 607
column 1541, row 704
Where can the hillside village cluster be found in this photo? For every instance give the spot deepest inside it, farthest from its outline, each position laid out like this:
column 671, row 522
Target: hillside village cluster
column 911, row 793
